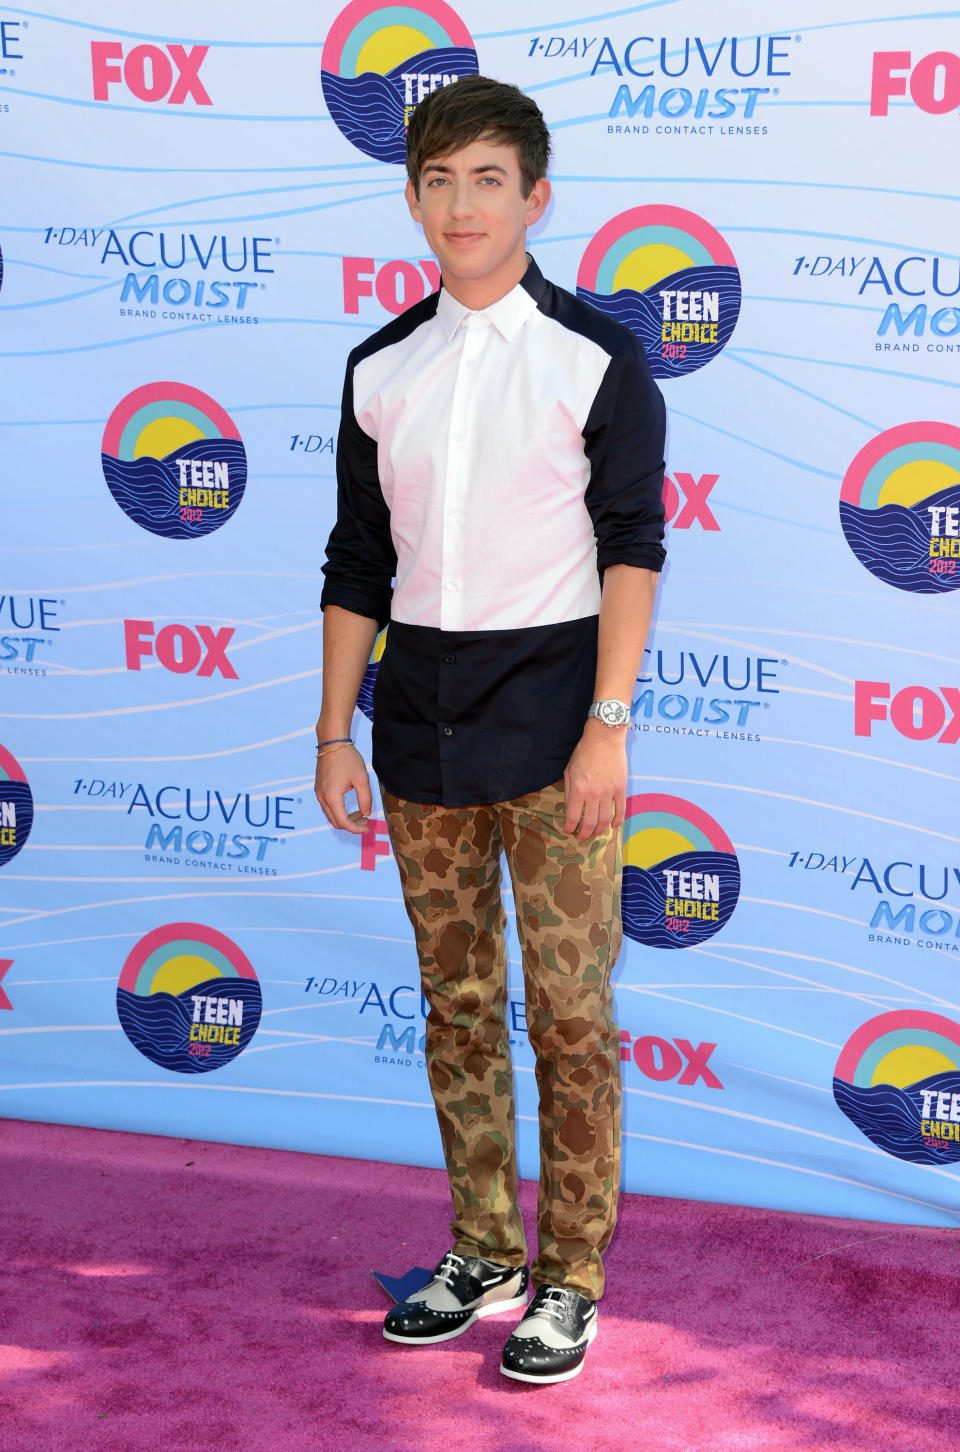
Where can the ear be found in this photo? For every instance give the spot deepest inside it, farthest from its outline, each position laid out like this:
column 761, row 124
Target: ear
column 412, row 201
column 538, row 200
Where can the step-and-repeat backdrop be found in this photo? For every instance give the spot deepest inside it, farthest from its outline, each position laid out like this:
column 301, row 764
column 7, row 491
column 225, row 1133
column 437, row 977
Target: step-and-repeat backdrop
column 202, row 215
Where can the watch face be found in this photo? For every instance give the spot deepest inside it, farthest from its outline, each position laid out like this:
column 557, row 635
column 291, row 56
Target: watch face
column 613, row 713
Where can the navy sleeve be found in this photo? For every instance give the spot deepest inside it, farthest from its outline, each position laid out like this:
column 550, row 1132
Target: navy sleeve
column 361, row 560
column 623, row 441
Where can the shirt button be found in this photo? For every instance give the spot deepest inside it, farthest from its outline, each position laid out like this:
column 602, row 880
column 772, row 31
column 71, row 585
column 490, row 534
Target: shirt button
column 458, row 438
column 449, row 659
column 448, row 730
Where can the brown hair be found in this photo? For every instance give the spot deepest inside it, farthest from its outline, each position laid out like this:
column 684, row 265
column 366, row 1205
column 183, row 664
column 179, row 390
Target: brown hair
column 453, row 116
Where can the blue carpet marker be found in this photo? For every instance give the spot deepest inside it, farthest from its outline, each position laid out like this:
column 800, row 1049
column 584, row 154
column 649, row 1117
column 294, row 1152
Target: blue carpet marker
column 398, row 1288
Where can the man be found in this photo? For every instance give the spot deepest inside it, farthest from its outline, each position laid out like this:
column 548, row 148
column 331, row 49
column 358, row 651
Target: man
column 500, row 455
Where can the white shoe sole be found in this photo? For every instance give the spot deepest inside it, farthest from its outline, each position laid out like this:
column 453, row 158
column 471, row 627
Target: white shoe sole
column 557, row 1375
column 493, row 1308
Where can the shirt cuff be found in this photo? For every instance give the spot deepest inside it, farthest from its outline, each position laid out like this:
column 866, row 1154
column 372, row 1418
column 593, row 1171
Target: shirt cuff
column 360, row 600
column 642, row 556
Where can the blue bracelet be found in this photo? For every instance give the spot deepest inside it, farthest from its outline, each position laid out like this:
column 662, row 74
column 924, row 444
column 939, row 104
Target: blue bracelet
column 334, row 741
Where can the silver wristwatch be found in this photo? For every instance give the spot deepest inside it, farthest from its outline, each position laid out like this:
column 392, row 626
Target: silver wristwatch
column 611, row 712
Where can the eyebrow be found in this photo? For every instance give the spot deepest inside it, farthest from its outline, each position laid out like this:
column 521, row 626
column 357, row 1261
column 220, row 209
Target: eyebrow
column 474, row 170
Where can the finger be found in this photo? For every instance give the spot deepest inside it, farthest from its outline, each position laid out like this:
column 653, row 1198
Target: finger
column 355, row 823
column 329, row 807
column 574, row 811
column 619, row 810
column 364, row 794
column 591, row 817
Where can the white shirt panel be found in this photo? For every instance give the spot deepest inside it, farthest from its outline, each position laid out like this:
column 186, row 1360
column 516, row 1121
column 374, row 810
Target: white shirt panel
column 487, row 513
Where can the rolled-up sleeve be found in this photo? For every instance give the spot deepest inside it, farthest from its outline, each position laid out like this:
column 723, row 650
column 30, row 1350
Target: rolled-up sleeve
column 361, row 560
column 624, row 441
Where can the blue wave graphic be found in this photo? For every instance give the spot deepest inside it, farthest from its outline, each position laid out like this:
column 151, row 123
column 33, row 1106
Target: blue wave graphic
column 148, row 490
column 643, row 904
column 365, row 694
column 370, row 109
column 642, row 313
column 199, row 113
column 159, row 1026
column 19, row 794
column 893, row 543
column 890, row 1117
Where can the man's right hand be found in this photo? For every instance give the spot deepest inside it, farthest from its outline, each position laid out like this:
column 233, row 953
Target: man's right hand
column 339, row 772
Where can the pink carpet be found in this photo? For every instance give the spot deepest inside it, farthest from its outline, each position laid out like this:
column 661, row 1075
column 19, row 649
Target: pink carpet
column 165, row 1296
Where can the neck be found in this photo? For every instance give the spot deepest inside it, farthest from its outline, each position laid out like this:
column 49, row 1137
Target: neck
column 477, row 293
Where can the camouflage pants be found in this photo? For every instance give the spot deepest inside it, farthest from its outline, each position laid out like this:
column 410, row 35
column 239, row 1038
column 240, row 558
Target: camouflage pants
column 567, row 897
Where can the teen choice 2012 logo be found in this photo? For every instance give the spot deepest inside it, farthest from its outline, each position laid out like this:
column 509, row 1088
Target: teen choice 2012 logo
column 900, row 507
column 669, row 277
column 365, row 694
column 898, row 1080
column 188, row 998
column 378, row 63
column 174, row 461
column 16, row 807
column 681, row 877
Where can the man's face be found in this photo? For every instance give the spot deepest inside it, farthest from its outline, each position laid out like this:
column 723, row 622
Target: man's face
column 474, row 215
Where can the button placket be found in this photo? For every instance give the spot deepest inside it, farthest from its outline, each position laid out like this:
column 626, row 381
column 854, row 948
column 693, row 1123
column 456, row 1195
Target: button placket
column 447, row 681
column 457, row 479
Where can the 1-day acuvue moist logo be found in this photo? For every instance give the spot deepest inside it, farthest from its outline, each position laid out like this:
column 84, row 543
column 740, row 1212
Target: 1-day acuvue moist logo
column 900, row 507
column 188, row 998
column 898, row 1080
column 681, row 877
column 669, row 277
column 378, row 63
column 16, row 807
column 174, row 461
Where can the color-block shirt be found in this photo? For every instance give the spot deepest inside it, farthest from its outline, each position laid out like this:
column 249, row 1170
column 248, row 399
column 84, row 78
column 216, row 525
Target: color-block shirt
column 491, row 465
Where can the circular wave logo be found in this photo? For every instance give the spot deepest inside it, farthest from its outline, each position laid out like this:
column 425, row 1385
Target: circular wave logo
column 669, row 277
column 900, row 507
column 365, row 694
column 681, row 877
column 16, row 807
column 379, row 61
column 174, row 461
column 188, row 998
column 898, row 1080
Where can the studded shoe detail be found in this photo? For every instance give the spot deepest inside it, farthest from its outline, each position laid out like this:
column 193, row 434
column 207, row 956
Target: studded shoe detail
column 461, row 1289
column 552, row 1338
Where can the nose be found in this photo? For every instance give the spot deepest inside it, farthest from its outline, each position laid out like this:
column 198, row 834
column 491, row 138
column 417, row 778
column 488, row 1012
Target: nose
column 461, row 200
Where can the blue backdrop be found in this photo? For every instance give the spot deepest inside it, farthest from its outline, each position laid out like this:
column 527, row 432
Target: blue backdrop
column 203, row 215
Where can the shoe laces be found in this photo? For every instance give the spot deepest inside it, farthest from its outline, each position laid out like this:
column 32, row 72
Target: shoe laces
column 448, row 1268
column 555, row 1302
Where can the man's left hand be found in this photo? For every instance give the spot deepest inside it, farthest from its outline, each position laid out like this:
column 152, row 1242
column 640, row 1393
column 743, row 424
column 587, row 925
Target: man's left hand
column 595, row 781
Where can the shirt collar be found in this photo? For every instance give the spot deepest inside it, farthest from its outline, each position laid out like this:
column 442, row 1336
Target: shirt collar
column 508, row 314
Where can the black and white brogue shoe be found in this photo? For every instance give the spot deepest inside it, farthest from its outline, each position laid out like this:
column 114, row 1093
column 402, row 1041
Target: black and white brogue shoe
column 551, row 1340
column 462, row 1289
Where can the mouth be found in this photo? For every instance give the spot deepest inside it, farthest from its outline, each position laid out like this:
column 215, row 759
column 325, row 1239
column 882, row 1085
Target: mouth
column 463, row 239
